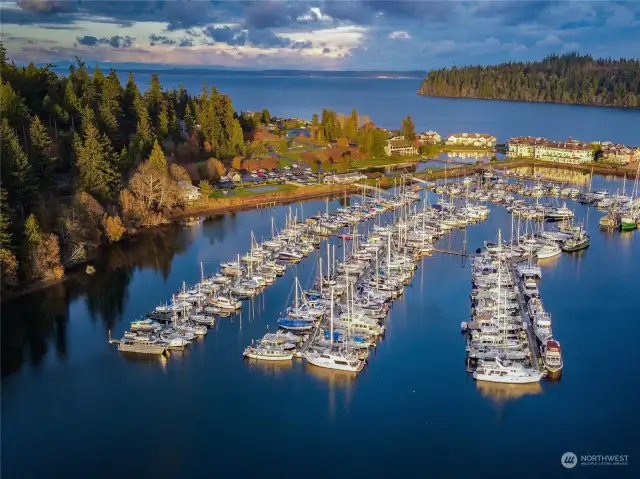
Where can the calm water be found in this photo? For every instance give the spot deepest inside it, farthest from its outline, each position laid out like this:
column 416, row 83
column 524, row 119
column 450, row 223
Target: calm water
column 71, row 402
column 388, row 101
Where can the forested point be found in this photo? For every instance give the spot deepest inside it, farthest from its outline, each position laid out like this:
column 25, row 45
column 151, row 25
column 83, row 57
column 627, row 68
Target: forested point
column 86, row 160
column 569, row 78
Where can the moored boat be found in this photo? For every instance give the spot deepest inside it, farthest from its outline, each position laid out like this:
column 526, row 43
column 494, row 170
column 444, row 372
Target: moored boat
column 552, row 358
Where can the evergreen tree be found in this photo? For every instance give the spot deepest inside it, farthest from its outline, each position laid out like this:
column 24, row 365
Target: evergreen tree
column 32, row 233
column 265, row 117
column 71, row 103
column 40, row 153
column 16, row 170
column 5, row 220
column 96, row 163
column 408, row 128
column 157, row 157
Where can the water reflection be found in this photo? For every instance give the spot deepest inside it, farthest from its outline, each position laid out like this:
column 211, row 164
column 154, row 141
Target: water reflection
column 150, row 362
column 339, row 381
column 34, row 321
column 555, row 174
column 269, row 368
column 502, row 393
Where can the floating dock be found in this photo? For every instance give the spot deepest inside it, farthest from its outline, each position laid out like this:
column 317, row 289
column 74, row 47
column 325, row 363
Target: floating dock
column 536, row 362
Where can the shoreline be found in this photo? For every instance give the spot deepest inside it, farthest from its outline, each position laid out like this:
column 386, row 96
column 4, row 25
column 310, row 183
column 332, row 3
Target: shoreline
column 624, row 108
column 219, row 206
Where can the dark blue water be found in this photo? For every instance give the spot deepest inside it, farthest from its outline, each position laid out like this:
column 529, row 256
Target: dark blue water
column 388, row 101
column 71, row 402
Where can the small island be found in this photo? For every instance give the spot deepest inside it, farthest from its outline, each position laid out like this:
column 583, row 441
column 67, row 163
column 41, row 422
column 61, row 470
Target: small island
column 569, row 78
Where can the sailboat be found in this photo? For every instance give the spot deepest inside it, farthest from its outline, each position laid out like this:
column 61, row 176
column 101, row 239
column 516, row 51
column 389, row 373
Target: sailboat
column 507, row 372
column 331, row 358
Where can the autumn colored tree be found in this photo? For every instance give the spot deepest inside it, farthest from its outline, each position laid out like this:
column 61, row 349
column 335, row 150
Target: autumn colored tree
column 157, row 157
column 114, row 229
column 215, row 169
column 205, row 188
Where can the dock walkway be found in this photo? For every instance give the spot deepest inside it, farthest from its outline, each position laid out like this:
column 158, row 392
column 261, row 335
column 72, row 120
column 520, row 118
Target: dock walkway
column 533, row 343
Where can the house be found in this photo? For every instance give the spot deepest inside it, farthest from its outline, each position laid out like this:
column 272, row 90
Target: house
column 570, row 151
column 398, row 145
column 189, row 192
column 271, row 127
column 429, row 138
column 479, row 140
column 620, row 154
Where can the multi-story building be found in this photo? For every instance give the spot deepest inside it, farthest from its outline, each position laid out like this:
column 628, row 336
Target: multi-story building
column 570, row 151
column 429, row 138
column 398, row 145
column 480, row 140
column 620, row 154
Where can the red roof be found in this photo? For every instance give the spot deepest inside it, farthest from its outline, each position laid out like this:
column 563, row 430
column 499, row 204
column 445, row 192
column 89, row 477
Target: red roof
column 553, row 345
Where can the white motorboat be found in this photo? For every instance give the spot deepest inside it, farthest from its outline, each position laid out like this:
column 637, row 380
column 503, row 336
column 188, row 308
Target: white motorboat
column 267, row 352
column 509, row 373
column 548, row 250
column 332, row 359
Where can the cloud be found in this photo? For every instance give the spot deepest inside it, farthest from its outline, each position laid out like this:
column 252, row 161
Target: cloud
column 399, row 35
column 115, row 41
column 326, row 50
column 301, row 45
column 226, row 34
column 161, row 40
column 549, row 41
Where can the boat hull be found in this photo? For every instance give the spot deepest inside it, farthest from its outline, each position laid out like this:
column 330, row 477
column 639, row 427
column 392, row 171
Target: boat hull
column 332, row 365
column 262, row 357
column 505, row 379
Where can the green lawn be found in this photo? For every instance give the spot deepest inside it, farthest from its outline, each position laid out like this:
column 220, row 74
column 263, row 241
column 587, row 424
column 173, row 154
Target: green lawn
column 383, row 161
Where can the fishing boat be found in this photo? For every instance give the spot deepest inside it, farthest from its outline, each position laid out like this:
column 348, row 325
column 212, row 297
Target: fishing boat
column 608, row 221
column 552, row 358
column 510, row 373
column 627, row 223
column 576, row 243
column 267, row 352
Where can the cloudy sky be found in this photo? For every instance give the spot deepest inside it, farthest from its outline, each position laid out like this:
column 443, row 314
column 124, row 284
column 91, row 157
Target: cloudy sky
column 339, row 34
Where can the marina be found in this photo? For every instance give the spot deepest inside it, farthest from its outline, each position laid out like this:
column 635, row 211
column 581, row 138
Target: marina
column 420, row 351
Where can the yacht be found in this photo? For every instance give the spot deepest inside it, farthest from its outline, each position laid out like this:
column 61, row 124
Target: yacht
column 343, row 361
column 267, row 352
column 295, row 324
column 509, row 373
column 226, row 304
column 142, row 346
column 548, row 250
column 559, row 214
column 530, row 287
column 552, row 358
column 144, row 325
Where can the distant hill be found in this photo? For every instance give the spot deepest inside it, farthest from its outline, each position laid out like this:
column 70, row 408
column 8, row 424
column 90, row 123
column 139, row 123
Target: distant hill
column 172, row 69
column 569, row 78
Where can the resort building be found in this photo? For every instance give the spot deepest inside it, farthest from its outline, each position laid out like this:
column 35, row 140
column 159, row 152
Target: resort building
column 480, row 140
column 189, row 192
column 620, row 154
column 570, row 151
column 429, row 138
column 398, row 145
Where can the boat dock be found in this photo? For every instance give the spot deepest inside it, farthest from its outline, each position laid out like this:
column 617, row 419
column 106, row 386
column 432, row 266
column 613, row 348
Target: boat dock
column 536, row 362
column 450, row 251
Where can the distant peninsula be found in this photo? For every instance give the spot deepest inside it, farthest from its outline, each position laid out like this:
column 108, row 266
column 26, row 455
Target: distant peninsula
column 569, row 78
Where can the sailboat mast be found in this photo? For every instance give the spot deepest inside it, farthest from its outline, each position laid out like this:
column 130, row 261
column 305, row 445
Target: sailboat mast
column 331, row 316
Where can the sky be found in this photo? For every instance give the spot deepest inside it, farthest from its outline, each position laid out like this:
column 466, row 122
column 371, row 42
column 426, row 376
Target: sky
column 318, row 35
